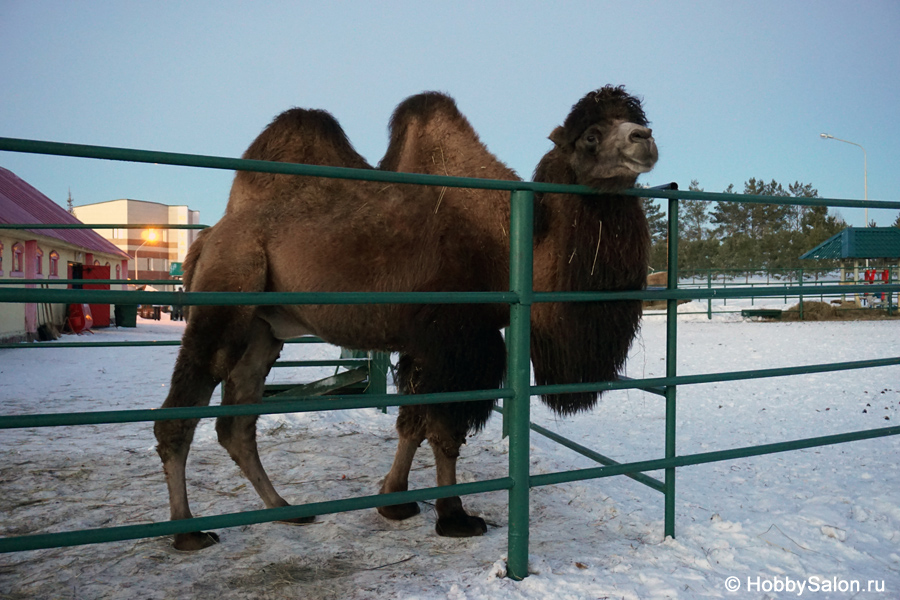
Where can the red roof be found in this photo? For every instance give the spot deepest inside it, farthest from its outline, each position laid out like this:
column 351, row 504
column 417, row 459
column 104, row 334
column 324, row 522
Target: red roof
column 22, row 203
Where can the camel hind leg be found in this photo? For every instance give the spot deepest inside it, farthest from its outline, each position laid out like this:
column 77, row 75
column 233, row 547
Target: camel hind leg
column 214, row 341
column 192, row 385
column 244, row 385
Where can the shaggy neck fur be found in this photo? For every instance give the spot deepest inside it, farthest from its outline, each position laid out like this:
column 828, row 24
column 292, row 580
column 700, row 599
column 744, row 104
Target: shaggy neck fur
column 587, row 243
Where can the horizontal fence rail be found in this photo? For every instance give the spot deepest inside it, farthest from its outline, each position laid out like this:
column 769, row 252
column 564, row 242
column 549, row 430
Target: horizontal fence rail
column 130, row 532
column 100, row 226
column 295, row 404
column 688, row 460
column 239, row 164
column 516, row 395
column 285, row 404
column 279, row 298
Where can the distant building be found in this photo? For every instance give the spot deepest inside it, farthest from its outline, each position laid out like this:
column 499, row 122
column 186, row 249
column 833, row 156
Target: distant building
column 46, row 254
column 874, row 249
column 154, row 256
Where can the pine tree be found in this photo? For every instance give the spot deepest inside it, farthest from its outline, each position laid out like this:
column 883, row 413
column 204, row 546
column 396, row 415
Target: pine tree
column 729, row 218
column 693, row 216
column 768, row 236
column 655, row 219
column 798, row 213
column 70, row 203
column 658, row 233
column 766, row 219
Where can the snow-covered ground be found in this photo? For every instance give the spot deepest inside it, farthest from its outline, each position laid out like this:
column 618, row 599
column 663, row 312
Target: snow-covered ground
column 820, row 518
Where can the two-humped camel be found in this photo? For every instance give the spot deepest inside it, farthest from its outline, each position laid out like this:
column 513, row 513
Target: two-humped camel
column 304, row 234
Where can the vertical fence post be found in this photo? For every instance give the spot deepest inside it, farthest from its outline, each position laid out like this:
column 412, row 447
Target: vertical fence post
column 379, row 365
column 890, row 295
column 517, row 409
column 800, row 282
column 708, row 285
column 671, row 366
column 504, row 402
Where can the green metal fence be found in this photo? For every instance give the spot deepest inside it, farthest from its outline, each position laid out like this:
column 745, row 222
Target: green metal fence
column 710, row 278
column 515, row 395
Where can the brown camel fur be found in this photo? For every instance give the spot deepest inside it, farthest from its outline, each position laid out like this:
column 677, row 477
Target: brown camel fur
column 290, row 233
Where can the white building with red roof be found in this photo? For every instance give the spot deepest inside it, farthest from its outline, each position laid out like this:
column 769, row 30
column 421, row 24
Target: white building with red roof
column 44, row 254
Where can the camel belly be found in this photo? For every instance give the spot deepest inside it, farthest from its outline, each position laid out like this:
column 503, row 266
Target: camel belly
column 284, row 325
column 369, row 327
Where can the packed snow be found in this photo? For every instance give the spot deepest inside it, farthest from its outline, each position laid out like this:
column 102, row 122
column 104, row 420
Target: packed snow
column 820, row 523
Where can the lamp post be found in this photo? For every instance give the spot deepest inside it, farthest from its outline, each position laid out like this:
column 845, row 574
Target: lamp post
column 825, row 136
column 149, row 236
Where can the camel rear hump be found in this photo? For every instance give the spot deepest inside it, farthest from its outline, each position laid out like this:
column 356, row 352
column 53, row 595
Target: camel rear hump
column 298, row 135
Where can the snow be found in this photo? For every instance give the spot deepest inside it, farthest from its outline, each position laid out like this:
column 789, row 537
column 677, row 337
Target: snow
column 825, row 518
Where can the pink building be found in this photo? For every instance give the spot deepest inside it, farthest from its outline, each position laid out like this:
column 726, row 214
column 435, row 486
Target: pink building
column 47, row 254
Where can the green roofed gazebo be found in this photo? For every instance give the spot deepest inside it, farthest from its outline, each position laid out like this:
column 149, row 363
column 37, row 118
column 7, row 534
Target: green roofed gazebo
column 877, row 247
column 879, row 243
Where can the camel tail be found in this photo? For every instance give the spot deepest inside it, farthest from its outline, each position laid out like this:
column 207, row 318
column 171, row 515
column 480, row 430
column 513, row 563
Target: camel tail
column 190, row 262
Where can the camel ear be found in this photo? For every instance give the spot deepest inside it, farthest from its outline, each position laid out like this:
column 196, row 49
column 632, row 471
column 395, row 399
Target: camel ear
column 558, row 136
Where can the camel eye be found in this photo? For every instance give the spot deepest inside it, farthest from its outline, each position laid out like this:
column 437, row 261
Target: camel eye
column 591, row 139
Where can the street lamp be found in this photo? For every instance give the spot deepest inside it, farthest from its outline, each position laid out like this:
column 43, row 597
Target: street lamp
column 149, row 236
column 825, row 136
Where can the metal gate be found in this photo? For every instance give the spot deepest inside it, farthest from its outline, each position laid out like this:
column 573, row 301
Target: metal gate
column 515, row 394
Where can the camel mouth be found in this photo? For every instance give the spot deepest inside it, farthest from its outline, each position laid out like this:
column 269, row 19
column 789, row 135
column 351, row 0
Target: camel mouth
column 640, row 166
column 641, row 154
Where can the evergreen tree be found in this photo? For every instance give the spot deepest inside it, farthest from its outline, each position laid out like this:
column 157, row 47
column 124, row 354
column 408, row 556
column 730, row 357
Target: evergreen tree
column 655, row 219
column 729, row 218
column 897, row 221
column 658, row 233
column 769, row 236
column 693, row 217
column 766, row 219
column 798, row 213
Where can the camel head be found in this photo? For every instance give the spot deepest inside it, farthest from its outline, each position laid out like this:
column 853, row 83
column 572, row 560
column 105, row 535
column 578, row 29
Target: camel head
column 605, row 140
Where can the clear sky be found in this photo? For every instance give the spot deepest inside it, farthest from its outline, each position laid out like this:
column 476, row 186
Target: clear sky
column 734, row 89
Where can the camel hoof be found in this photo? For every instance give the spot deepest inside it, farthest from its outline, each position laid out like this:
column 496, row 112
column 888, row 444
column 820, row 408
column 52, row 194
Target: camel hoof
column 398, row 512
column 460, row 525
column 299, row 520
column 196, row 540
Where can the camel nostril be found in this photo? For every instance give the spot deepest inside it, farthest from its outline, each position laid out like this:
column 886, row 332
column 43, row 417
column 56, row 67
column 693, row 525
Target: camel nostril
column 640, row 133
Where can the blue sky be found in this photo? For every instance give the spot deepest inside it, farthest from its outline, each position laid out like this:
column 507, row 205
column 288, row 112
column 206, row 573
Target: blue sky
column 734, row 89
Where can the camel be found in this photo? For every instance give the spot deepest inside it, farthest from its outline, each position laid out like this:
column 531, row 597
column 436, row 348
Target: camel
column 290, row 233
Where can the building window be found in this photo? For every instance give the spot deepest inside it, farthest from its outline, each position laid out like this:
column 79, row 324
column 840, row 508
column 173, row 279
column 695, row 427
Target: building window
column 96, row 263
column 1, row 259
column 39, row 262
column 118, row 271
column 18, row 262
column 54, row 263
